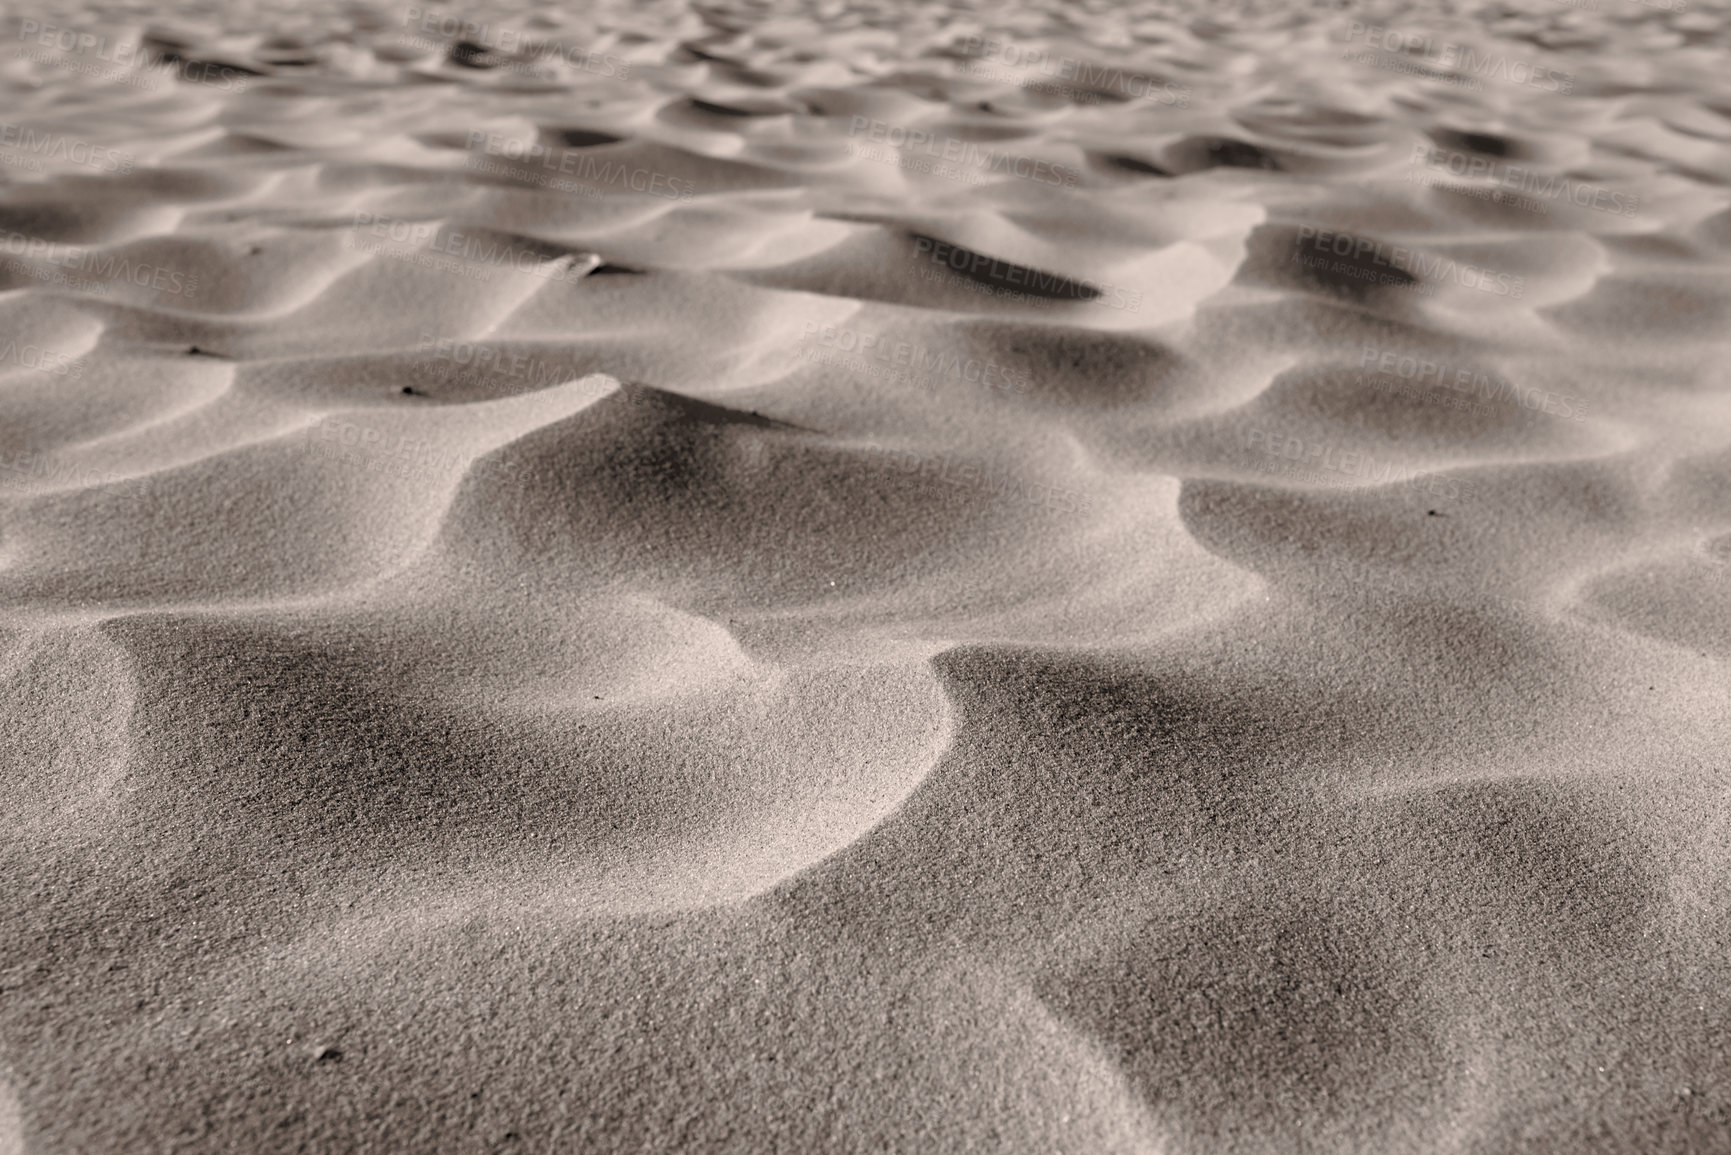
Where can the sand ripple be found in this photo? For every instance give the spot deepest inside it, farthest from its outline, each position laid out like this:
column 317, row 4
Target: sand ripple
column 863, row 576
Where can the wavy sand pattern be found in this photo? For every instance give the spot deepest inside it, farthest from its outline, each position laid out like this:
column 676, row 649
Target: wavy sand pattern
column 855, row 576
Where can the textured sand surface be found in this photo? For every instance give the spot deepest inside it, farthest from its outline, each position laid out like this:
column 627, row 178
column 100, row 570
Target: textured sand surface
column 855, row 577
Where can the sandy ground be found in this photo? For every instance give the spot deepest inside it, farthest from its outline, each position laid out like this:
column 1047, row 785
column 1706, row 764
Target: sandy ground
column 861, row 577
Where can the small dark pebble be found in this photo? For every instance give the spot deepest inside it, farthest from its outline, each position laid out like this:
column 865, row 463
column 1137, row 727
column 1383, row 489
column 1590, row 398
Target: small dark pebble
column 411, row 391
column 327, row 1055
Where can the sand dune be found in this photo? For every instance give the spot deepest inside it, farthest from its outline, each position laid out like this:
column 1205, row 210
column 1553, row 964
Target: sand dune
column 860, row 576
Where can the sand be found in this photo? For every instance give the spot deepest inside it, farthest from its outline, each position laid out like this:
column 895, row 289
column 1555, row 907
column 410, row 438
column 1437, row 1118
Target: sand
column 866, row 577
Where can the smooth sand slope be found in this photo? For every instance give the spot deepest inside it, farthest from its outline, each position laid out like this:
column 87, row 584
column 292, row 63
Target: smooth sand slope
column 1096, row 578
